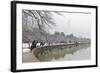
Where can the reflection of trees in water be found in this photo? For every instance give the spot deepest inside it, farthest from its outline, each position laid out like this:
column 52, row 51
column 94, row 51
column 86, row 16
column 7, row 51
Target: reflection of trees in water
column 55, row 52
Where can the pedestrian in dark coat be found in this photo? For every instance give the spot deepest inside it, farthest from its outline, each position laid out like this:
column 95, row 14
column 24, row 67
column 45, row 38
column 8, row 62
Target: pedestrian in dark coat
column 33, row 44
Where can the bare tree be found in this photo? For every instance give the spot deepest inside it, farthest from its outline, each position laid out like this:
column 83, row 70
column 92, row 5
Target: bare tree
column 42, row 19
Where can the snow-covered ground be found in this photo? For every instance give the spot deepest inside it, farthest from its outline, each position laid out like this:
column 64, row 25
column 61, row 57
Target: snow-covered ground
column 26, row 45
column 26, row 50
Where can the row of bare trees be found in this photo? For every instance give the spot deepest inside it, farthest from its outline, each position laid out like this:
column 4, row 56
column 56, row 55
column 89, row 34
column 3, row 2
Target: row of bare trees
column 35, row 26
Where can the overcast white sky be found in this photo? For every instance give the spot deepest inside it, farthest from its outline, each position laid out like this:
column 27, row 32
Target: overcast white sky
column 77, row 23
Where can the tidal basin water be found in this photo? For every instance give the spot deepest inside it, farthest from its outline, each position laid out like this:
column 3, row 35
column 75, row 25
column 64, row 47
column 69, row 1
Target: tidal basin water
column 58, row 53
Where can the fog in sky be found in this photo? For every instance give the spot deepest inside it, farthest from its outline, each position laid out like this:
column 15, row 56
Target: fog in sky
column 78, row 24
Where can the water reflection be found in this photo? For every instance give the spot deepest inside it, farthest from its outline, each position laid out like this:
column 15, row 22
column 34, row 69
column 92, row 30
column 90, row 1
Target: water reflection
column 50, row 53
